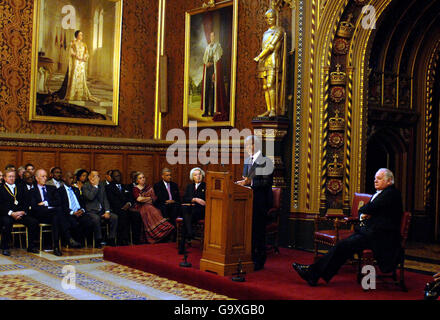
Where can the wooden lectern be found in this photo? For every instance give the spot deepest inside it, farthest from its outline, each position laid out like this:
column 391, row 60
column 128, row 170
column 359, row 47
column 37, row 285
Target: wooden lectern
column 228, row 225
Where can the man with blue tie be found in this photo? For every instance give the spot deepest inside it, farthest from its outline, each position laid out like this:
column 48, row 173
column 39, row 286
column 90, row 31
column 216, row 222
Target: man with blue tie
column 15, row 209
column 72, row 204
column 46, row 208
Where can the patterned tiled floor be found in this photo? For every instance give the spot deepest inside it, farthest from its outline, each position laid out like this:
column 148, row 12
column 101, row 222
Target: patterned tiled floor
column 83, row 274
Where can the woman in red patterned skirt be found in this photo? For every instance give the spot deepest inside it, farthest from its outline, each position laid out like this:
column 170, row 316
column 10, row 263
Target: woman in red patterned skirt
column 155, row 225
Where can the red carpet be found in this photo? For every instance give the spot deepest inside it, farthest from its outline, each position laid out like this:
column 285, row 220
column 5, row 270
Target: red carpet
column 277, row 281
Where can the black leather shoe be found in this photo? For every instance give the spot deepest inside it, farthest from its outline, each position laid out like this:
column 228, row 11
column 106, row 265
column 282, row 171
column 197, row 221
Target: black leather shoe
column 305, row 273
column 6, row 252
column 57, row 252
column 74, row 244
column 33, row 250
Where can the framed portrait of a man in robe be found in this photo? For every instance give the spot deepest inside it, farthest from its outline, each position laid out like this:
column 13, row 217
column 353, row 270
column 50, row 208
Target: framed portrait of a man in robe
column 76, row 61
column 210, row 64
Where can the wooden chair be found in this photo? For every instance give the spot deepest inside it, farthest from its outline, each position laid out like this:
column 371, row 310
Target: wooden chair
column 44, row 228
column 330, row 237
column 273, row 221
column 20, row 229
column 366, row 256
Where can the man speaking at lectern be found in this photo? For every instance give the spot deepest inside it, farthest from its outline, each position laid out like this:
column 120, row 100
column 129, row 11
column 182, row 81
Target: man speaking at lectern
column 257, row 174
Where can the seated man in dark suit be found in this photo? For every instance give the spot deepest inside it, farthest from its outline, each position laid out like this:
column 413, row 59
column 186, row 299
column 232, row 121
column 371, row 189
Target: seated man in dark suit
column 72, row 204
column 46, row 208
column 193, row 203
column 15, row 209
column 258, row 174
column 379, row 230
column 56, row 179
column 28, row 180
column 98, row 208
column 121, row 200
column 168, row 197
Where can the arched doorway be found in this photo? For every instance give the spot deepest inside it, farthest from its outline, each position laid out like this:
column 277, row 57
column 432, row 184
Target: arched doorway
column 402, row 108
column 386, row 149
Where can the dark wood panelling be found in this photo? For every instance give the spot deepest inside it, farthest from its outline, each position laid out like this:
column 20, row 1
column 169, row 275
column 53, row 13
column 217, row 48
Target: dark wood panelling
column 40, row 159
column 70, row 161
column 143, row 163
column 104, row 162
column 8, row 157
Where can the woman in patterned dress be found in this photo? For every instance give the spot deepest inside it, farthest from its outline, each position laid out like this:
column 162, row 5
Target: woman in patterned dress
column 155, row 225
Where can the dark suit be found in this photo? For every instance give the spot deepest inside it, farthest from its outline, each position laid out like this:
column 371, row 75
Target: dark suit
column 126, row 218
column 172, row 210
column 81, row 226
column 7, row 204
column 97, row 204
column 194, row 212
column 380, row 233
column 51, row 214
column 261, row 184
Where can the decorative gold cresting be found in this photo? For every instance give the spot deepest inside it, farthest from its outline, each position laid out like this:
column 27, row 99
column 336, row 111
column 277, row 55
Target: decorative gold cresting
column 209, row 4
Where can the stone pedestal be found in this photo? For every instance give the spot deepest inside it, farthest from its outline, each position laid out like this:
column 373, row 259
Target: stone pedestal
column 272, row 131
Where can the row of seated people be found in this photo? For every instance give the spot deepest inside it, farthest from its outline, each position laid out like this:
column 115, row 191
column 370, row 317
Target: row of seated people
column 77, row 205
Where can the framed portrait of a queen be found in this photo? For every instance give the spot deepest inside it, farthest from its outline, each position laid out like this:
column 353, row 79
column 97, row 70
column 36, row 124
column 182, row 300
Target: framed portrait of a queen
column 210, row 64
column 76, row 61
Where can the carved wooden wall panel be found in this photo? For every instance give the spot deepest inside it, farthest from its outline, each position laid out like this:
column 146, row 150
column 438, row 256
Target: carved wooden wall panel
column 40, row 159
column 70, row 161
column 8, row 157
column 143, row 163
column 104, row 162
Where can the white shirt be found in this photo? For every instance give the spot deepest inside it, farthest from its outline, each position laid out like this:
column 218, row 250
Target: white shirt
column 56, row 183
column 376, row 194
column 255, row 156
column 197, row 185
column 40, row 188
column 12, row 188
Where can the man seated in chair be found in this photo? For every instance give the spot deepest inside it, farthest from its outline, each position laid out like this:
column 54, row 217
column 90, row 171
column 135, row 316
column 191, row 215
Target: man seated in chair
column 15, row 209
column 121, row 200
column 168, row 197
column 98, row 208
column 193, row 204
column 81, row 225
column 46, row 208
column 379, row 230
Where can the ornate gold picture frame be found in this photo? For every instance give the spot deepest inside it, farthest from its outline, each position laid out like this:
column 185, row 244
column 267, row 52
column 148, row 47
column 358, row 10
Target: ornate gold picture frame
column 76, row 50
column 210, row 64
